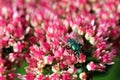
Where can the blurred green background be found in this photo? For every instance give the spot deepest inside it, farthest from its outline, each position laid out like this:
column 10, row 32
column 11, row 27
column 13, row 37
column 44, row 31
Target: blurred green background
column 113, row 73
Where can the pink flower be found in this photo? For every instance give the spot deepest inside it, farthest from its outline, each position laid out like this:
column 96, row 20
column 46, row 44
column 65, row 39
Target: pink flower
column 2, row 78
column 95, row 67
column 96, row 54
column 13, row 56
column 113, row 32
column 68, row 60
column 89, row 34
column 82, row 58
column 32, row 62
column 39, row 33
column 2, row 32
column 48, row 59
column 100, row 67
column 40, row 77
column 73, row 59
column 12, row 75
column 101, row 46
column 62, row 65
column 17, row 47
column 30, row 76
column 47, row 78
column 83, row 76
column 46, row 47
column 81, row 31
column 72, row 70
column 106, row 58
column 36, row 52
column 65, row 76
column 91, row 66
column 4, row 42
column 2, row 70
column 55, row 77
column 1, row 62
column 55, row 41
column 41, row 64
column 32, row 40
column 59, row 53
column 113, row 53
column 18, row 32
column 55, row 68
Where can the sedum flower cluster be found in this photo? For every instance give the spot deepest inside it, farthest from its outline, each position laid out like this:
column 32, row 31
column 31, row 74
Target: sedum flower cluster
column 38, row 31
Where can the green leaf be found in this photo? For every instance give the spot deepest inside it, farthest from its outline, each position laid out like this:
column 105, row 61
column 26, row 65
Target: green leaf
column 47, row 70
column 21, row 69
column 16, row 79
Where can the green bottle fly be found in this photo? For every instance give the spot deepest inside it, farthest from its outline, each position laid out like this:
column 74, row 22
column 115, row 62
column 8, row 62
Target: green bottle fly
column 74, row 46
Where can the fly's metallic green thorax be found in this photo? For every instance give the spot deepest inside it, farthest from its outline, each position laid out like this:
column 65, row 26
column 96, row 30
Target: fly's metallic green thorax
column 74, row 46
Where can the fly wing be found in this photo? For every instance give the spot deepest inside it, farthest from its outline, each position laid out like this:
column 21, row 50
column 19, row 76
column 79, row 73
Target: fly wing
column 80, row 40
column 77, row 37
